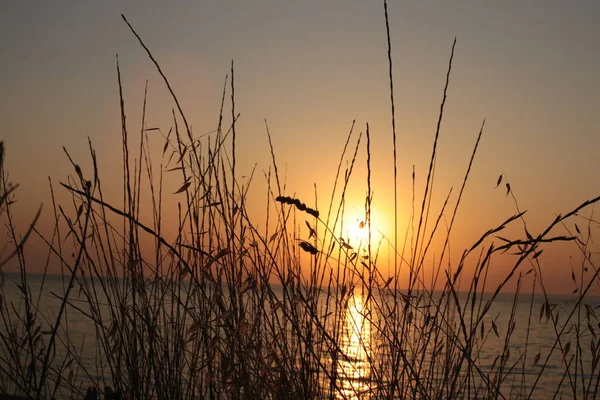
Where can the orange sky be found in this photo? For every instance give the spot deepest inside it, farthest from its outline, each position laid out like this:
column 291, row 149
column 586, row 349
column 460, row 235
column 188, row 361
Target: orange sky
column 310, row 68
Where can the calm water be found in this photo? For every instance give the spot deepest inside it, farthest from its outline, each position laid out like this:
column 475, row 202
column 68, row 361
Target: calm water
column 358, row 326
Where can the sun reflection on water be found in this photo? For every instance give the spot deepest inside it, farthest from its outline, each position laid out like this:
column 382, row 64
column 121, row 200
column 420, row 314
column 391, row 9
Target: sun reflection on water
column 354, row 368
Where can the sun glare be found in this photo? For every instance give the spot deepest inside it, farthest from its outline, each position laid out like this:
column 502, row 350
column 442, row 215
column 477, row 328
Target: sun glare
column 355, row 368
column 358, row 232
column 356, row 229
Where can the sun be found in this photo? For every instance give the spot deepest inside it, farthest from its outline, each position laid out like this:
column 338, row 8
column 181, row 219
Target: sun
column 356, row 229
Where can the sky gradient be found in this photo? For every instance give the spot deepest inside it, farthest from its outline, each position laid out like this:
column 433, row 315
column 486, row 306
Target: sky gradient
column 530, row 68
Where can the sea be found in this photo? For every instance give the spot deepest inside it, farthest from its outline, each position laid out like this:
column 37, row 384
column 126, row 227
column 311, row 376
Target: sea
column 519, row 336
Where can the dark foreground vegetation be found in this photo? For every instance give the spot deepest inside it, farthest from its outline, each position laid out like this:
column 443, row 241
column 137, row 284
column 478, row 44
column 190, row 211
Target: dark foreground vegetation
column 284, row 308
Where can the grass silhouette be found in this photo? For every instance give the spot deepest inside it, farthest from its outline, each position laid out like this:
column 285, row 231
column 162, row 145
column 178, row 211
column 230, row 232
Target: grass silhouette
column 228, row 310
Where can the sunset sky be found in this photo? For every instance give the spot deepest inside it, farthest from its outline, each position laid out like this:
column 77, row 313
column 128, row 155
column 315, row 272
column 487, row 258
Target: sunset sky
column 529, row 68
